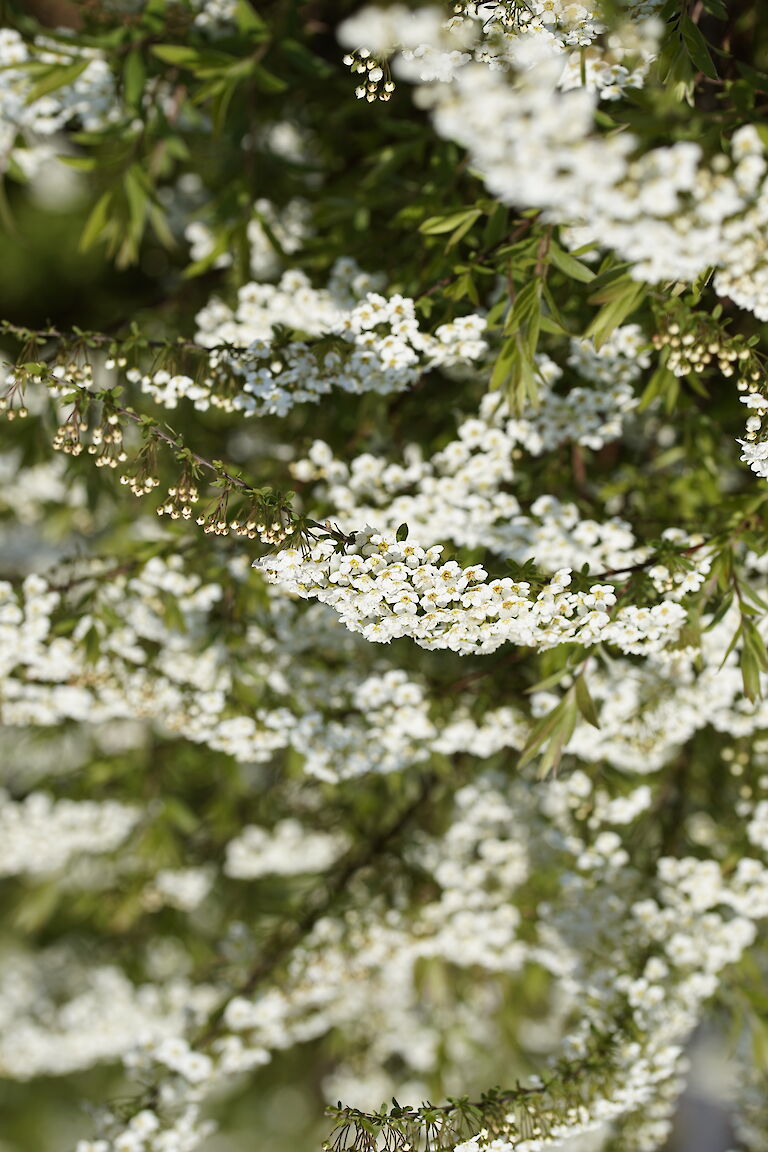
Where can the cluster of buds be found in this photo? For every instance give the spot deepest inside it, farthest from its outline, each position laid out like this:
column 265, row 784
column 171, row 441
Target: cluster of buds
column 72, row 373
column 695, row 349
column 377, row 82
column 68, row 436
column 215, row 522
column 256, row 522
column 107, row 443
column 178, row 504
column 508, row 13
column 144, row 479
column 249, row 525
column 274, row 533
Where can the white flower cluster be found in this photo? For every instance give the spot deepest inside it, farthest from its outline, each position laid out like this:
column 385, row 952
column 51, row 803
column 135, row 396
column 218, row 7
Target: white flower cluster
column 389, row 729
column 182, row 888
column 388, row 723
column 147, row 1132
column 649, row 712
column 620, row 360
column 757, row 829
column 25, row 491
column 97, row 1016
column 670, row 212
column 288, row 849
column 683, row 582
column 373, row 344
column 478, row 866
column 385, row 589
column 39, row 834
column 89, row 98
column 460, row 495
column 216, row 17
column 755, row 446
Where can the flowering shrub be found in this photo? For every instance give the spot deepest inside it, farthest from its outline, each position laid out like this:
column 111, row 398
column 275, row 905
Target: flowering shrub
column 383, row 578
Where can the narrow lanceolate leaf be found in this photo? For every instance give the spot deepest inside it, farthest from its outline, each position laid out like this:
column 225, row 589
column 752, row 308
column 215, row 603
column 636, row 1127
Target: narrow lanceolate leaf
column 585, row 702
column 177, row 54
column 697, row 47
column 663, row 384
column 438, row 225
column 96, row 222
column 550, row 734
column 58, row 77
column 754, row 659
column 134, row 75
column 569, row 265
column 627, row 299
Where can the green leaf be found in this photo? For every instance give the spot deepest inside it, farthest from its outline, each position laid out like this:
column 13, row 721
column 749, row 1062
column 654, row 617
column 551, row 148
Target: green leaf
column 463, row 286
column 137, row 195
column 697, row 47
column 56, row 77
column 437, row 225
column 550, row 325
column 180, row 815
column 505, row 362
column 266, row 81
column 662, row 384
column 554, row 730
column 249, row 22
column 304, row 61
column 585, row 702
column 92, row 645
column 750, row 674
column 569, row 265
column 173, row 616
column 402, row 532
column 551, row 680
column 96, row 222
column 461, row 231
column 626, row 299
column 134, row 75
column 178, row 54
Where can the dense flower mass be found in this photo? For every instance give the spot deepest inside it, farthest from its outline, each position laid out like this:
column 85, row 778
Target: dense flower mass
column 385, row 589
column 670, row 211
column 402, row 730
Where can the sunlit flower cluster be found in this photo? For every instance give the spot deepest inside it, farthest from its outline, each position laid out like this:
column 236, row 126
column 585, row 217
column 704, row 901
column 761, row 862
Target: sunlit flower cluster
column 385, row 589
